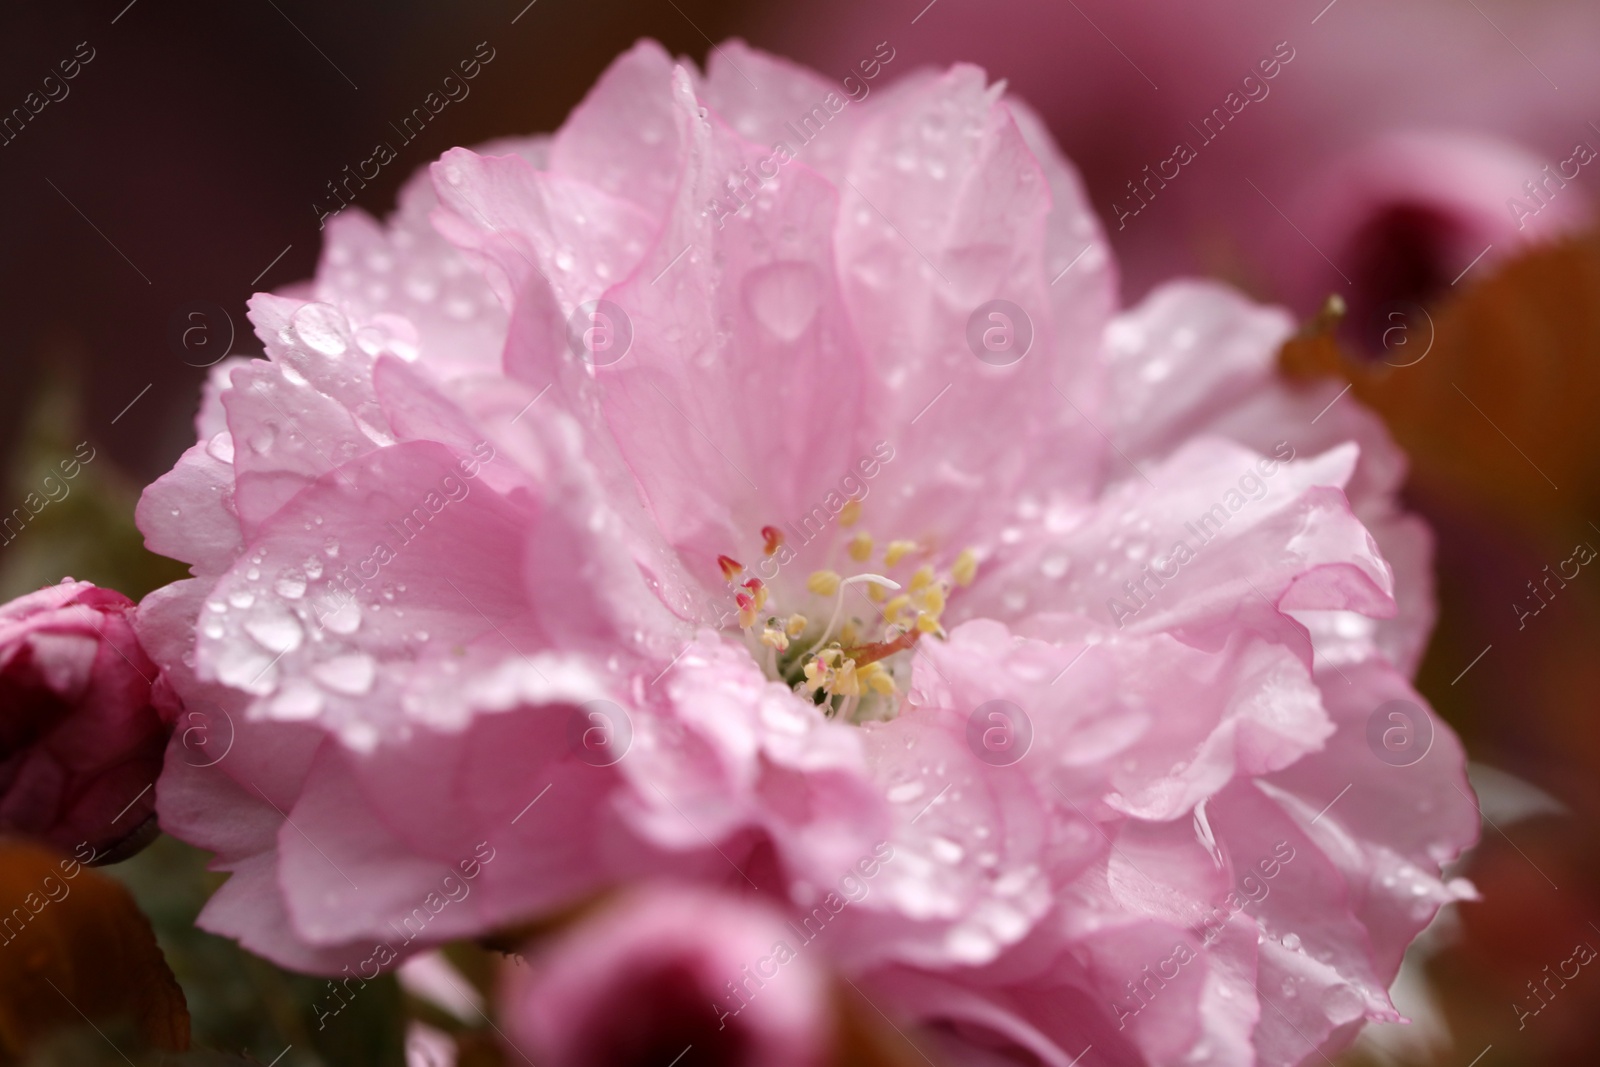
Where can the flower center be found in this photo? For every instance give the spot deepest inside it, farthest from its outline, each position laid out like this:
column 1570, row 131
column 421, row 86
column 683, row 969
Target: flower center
column 841, row 643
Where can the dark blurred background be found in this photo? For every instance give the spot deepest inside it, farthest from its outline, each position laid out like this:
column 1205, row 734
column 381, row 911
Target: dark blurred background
column 190, row 150
column 181, row 169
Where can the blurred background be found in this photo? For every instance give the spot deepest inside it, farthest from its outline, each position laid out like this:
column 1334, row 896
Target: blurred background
column 1432, row 163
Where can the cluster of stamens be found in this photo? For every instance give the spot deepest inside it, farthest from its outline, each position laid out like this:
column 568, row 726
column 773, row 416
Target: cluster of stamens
column 848, row 661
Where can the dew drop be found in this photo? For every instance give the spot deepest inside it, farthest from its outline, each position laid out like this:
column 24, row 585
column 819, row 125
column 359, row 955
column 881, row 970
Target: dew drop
column 905, row 792
column 276, row 632
column 298, row 701
column 351, row 674
column 344, row 621
column 784, row 296
column 1157, row 370
column 321, row 328
column 262, row 438
column 220, row 447
column 421, row 288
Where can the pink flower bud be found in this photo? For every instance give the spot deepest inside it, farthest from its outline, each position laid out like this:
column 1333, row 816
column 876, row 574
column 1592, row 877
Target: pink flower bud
column 1408, row 218
column 83, row 719
column 667, row 969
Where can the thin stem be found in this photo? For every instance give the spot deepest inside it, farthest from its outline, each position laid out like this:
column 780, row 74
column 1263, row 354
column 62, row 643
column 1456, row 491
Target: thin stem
column 838, row 605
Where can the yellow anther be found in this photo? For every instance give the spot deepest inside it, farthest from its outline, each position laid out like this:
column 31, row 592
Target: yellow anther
column 931, row 599
column 845, row 683
column 850, row 513
column 877, row 679
column 897, row 551
column 965, row 568
column 775, row 639
column 749, row 612
column 816, row 673
column 861, row 547
column 929, row 624
column 848, row 633
column 819, row 671
column 823, row 583
column 893, row 608
column 795, row 626
column 923, row 577
column 876, row 592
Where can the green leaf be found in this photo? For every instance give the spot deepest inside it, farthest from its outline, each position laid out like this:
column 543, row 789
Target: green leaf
column 243, row 1004
column 68, row 510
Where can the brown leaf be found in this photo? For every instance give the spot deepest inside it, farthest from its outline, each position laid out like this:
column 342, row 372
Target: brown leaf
column 74, row 947
column 1501, row 411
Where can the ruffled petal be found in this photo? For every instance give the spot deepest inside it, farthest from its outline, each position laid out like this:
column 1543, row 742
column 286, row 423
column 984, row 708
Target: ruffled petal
column 732, row 751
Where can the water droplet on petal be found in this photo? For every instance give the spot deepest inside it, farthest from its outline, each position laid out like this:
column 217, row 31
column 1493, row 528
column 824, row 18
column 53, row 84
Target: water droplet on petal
column 276, row 631
column 351, row 674
column 905, row 792
column 343, row 621
column 321, row 328
column 298, row 701
column 784, row 297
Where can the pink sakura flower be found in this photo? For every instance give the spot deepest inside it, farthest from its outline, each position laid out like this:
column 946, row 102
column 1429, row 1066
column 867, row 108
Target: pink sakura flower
column 752, row 487
column 81, row 728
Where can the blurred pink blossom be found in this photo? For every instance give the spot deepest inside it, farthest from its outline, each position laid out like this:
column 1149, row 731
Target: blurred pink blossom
column 1410, row 214
column 645, row 502
column 1499, row 89
column 83, row 719
column 666, row 969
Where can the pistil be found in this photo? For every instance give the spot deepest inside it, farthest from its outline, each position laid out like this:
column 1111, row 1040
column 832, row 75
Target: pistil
column 845, row 669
